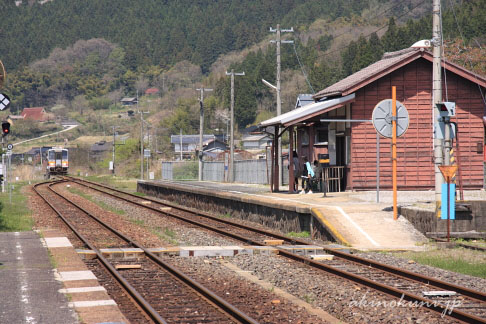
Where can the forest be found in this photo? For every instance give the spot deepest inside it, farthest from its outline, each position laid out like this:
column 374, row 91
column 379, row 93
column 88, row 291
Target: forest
column 57, row 57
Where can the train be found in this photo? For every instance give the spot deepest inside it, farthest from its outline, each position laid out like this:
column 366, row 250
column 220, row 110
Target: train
column 57, row 162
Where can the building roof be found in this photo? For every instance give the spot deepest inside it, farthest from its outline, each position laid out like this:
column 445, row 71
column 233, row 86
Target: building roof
column 308, row 111
column 389, row 63
column 36, row 113
column 304, row 99
column 250, row 129
column 14, row 117
column 150, row 91
column 254, row 137
column 129, row 99
column 190, row 139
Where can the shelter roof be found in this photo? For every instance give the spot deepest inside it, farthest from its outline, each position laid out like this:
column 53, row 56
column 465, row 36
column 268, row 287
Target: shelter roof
column 308, row 111
column 389, row 63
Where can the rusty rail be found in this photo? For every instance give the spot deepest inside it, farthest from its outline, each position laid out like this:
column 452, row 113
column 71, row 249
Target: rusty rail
column 457, row 314
column 227, row 308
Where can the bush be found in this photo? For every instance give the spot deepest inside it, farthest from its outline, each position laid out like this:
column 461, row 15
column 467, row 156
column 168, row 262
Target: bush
column 100, row 103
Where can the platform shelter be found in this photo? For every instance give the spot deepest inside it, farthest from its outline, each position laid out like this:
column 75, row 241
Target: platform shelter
column 351, row 140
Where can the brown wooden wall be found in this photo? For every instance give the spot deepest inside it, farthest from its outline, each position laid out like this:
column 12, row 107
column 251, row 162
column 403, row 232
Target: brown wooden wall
column 415, row 147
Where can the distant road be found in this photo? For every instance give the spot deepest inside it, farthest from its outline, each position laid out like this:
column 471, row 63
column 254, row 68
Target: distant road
column 68, row 128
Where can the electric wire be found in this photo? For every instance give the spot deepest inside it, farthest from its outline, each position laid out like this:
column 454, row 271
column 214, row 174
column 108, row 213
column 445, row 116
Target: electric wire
column 344, row 33
column 303, row 69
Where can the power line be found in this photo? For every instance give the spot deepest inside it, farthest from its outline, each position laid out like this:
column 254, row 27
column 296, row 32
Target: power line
column 303, row 70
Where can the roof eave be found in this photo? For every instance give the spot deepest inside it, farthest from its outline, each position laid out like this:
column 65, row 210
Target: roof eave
column 381, row 74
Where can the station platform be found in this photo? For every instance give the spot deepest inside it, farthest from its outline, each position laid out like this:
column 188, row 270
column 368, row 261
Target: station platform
column 354, row 219
column 30, row 291
column 43, row 280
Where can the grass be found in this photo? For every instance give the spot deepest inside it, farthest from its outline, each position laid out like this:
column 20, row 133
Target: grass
column 129, row 185
column 459, row 260
column 308, row 299
column 166, row 234
column 227, row 215
column 299, row 234
column 15, row 215
column 102, row 204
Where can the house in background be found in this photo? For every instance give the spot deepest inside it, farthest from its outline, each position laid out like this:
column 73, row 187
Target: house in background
column 129, row 101
column 304, row 99
column 35, row 113
column 190, row 144
column 258, row 141
column 152, row 92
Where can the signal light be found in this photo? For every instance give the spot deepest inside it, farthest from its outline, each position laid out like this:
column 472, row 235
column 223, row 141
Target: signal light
column 5, row 128
column 447, row 109
column 1, row 178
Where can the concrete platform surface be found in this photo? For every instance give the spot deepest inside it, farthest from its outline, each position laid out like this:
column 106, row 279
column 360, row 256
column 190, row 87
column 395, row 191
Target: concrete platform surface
column 29, row 292
column 356, row 217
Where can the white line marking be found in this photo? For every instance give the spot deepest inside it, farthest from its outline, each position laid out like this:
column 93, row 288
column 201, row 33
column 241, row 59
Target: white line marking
column 356, row 226
column 76, row 275
column 81, row 290
column 93, row 303
column 54, row 242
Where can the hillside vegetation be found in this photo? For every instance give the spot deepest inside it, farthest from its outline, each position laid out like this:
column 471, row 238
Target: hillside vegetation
column 79, row 58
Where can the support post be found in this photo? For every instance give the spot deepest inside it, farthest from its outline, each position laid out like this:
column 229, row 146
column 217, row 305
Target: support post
column 448, row 209
column 276, row 183
column 291, row 159
column 377, row 167
column 394, row 151
column 436, row 98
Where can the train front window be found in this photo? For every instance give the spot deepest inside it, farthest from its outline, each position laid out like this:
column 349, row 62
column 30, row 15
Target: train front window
column 64, row 155
column 51, row 155
column 58, row 155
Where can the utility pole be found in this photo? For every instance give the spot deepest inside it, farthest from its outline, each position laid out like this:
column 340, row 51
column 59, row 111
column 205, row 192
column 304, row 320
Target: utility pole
column 180, row 141
column 231, row 172
column 141, row 140
column 113, row 159
column 114, row 144
column 437, row 98
column 201, row 129
column 278, row 41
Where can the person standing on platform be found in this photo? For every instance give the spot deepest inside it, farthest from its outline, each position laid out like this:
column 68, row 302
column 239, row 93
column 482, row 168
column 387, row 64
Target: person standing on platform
column 307, row 175
column 296, row 171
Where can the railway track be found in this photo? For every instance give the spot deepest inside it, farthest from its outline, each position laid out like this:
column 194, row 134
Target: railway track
column 466, row 246
column 467, row 305
column 160, row 291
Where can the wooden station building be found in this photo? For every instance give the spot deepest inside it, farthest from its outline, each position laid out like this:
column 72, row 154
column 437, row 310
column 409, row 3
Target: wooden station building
column 352, row 146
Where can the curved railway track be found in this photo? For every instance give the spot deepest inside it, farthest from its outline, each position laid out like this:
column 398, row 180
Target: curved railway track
column 161, row 291
column 399, row 283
